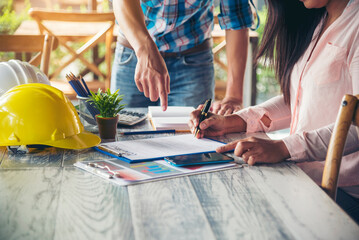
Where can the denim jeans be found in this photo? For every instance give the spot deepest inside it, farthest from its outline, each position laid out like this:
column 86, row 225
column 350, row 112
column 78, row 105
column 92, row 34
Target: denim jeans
column 191, row 78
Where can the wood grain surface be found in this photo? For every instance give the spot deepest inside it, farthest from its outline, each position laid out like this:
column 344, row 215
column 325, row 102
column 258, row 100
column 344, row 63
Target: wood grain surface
column 168, row 210
column 92, row 208
column 300, row 203
column 28, row 202
column 43, row 196
column 236, row 208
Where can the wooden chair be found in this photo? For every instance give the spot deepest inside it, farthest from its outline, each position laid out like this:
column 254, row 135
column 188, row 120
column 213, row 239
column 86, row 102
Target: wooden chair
column 40, row 44
column 348, row 114
column 49, row 22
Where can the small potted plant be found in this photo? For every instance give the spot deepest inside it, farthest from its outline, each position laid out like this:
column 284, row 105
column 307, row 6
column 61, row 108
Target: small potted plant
column 109, row 106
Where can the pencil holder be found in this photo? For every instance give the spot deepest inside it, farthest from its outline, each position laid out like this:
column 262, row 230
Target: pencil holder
column 87, row 111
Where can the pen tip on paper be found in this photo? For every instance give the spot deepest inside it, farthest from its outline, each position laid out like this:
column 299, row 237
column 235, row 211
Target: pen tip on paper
column 196, row 132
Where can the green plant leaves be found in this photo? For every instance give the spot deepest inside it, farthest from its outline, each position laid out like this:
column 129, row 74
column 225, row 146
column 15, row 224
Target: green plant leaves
column 9, row 19
column 107, row 103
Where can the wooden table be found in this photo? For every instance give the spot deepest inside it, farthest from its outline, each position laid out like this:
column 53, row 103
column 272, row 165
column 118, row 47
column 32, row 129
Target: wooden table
column 81, row 31
column 43, row 196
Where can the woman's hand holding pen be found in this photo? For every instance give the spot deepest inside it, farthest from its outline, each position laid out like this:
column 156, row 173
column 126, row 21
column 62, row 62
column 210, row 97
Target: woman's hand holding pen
column 214, row 124
column 252, row 150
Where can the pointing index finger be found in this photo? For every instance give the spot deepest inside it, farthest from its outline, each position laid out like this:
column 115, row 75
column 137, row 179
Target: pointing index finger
column 163, row 98
column 228, row 147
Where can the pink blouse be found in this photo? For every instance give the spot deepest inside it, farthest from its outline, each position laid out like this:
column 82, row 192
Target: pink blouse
column 317, row 86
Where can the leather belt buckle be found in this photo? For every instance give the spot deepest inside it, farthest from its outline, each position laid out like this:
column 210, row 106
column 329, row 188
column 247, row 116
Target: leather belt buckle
column 207, row 44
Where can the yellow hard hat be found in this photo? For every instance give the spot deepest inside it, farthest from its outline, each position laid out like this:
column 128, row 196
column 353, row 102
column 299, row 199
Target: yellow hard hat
column 37, row 113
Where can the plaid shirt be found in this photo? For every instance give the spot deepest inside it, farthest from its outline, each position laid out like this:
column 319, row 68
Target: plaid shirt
column 177, row 25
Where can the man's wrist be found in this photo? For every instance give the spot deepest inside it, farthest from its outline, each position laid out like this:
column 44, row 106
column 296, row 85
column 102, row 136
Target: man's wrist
column 145, row 46
column 236, row 99
column 234, row 90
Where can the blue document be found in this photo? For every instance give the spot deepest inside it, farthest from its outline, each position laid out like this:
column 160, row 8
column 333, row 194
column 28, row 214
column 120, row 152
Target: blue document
column 158, row 148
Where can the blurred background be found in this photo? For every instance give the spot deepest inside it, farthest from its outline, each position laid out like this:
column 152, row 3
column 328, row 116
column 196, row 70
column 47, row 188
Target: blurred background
column 14, row 13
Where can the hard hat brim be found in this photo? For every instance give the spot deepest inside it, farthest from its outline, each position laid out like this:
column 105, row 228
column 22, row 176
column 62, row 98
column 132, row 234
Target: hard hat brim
column 78, row 141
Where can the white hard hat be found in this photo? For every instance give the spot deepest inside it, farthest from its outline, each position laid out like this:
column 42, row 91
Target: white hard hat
column 15, row 72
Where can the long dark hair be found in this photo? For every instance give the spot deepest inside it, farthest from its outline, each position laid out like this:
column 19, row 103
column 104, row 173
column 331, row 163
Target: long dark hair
column 287, row 34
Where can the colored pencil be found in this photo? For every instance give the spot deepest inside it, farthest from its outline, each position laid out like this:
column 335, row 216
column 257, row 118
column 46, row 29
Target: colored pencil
column 84, row 83
column 76, row 84
column 82, row 90
column 75, row 88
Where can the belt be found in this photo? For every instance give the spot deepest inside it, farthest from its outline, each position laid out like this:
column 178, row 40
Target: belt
column 207, row 44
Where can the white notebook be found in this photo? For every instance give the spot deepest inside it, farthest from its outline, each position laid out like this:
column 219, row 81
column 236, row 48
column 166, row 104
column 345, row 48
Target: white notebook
column 173, row 118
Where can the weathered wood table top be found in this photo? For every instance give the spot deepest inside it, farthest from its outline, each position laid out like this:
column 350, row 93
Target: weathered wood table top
column 43, row 196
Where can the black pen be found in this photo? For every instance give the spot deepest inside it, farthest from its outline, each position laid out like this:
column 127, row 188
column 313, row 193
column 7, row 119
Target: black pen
column 204, row 113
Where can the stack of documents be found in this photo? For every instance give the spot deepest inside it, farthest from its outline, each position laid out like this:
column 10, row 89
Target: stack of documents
column 123, row 173
column 133, row 159
column 173, row 118
column 157, row 148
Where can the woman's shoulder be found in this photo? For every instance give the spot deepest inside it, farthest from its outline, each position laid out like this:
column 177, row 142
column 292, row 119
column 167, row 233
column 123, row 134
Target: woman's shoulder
column 344, row 32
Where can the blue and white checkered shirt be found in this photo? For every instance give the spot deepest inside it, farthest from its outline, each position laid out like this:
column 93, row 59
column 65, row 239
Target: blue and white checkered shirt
column 177, row 25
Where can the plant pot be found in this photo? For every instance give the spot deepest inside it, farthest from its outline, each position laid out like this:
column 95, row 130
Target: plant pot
column 107, row 127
